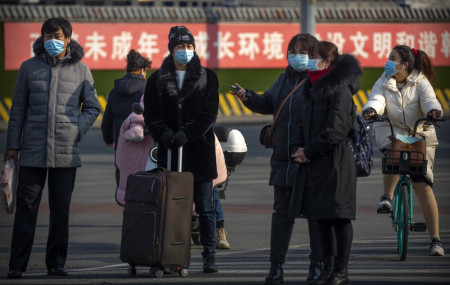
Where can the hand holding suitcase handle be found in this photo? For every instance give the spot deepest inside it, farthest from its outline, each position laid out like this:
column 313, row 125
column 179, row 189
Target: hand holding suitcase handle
column 180, row 158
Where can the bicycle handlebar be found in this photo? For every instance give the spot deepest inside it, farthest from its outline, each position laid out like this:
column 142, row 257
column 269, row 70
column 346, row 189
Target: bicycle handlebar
column 427, row 120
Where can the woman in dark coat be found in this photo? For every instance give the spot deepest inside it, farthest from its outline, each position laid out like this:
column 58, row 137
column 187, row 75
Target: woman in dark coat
column 127, row 90
column 286, row 141
column 326, row 184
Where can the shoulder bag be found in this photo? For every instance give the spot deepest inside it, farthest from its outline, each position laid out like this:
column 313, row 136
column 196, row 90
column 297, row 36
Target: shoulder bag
column 266, row 137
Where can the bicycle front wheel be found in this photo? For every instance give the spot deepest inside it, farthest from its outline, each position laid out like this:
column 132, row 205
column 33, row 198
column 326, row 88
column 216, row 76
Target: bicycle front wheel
column 403, row 221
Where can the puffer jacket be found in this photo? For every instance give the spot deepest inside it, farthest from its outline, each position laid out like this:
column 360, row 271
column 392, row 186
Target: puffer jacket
column 53, row 107
column 286, row 129
column 127, row 90
column 403, row 108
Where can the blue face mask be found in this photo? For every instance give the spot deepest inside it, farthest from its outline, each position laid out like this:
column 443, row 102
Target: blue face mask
column 313, row 64
column 183, row 56
column 298, row 61
column 54, row 47
column 389, row 68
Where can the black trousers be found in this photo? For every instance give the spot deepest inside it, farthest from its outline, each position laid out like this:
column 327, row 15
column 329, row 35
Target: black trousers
column 336, row 237
column 61, row 182
column 282, row 226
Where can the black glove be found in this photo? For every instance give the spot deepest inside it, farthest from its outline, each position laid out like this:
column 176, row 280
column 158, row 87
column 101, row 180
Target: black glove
column 179, row 139
column 366, row 114
column 434, row 114
column 166, row 139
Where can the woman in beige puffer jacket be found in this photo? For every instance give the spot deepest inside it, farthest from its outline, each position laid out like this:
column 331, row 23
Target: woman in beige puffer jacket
column 404, row 94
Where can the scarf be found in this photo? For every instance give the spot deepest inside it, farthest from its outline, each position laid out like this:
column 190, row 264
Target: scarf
column 316, row 75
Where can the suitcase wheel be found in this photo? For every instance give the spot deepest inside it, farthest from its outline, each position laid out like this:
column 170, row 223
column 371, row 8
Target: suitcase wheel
column 156, row 272
column 131, row 271
column 183, row 272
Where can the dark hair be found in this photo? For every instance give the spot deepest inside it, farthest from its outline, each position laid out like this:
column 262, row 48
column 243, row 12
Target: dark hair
column 326, row 50
column 135, row 61
column 53, row 24
column 307, row 41
column 418, row 60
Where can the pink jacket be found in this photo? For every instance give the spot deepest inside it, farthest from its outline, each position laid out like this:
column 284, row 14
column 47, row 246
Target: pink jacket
column 132, row 152
column 133, row 149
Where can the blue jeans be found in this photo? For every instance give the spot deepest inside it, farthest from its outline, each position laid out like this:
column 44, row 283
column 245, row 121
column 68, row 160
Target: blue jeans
column 204, row 206
column 218, row 206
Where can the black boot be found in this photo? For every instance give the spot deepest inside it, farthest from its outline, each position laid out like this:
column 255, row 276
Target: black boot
column 315, row 269
column 275, row 274
column 327, row 270
column 340, row 274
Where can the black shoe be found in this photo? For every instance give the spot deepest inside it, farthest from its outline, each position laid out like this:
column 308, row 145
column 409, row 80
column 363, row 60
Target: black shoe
column 340, row 275
column 275, row 276
column 209, row 264
column 315, row 269
column 327, row 270
column 56, row 272
column 14, row 273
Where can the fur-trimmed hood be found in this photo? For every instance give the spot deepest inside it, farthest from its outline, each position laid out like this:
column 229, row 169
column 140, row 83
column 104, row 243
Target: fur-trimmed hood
column 168, row 75
column 75, row 51
column 345, row 72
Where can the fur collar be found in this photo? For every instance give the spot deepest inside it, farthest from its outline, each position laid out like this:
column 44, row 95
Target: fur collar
column 74, row 54
column 344, row 74
column 168, row 76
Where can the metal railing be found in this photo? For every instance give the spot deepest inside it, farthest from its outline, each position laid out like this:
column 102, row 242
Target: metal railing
column 213, row 3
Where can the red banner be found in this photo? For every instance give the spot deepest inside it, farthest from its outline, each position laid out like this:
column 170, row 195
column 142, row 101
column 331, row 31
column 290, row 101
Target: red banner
column 232, row 45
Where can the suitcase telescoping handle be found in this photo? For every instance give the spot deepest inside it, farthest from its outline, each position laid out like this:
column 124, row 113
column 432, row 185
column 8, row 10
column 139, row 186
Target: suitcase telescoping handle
column 180, row 158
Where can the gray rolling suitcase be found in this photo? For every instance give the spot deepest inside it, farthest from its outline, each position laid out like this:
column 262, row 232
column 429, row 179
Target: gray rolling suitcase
column 156, row 229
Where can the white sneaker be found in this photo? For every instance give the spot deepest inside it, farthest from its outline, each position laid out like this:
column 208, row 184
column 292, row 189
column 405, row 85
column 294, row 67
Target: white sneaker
column 222, row 242
column 436, row 248
column 385, row 205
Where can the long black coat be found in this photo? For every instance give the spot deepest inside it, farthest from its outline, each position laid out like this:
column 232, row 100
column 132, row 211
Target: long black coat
column 287, row 128
column 193, row 109
column 326, row 187
column 127, row 90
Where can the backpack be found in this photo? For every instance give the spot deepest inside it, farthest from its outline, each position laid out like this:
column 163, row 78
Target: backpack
column 361, row 145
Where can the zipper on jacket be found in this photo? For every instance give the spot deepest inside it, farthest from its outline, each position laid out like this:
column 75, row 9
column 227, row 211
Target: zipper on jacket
column 289, row 137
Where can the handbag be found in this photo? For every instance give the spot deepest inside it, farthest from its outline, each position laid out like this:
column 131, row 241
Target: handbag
column 266, row 137
column 417, row 151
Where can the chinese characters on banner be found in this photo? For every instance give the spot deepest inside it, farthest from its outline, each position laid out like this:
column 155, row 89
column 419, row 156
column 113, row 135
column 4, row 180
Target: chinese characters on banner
column 232, row 45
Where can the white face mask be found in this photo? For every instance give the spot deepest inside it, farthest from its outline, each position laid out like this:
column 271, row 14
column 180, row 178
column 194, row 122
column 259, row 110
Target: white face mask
column 54, row 47
column 297, row 61
column 183, row 56
column 313, row 64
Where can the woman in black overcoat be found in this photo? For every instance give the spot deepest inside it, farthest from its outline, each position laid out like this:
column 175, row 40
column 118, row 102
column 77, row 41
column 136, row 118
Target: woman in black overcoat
column 326, row 183
column 286, row 140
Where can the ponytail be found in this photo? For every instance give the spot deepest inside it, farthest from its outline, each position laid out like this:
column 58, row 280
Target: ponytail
column 417, row 59
column 423, row 64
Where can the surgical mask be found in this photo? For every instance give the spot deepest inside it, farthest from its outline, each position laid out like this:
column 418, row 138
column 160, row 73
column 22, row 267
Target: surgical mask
column 183, row 56
column 389, row 68
column 54, row 47
column 298, row 61
column 313, row 64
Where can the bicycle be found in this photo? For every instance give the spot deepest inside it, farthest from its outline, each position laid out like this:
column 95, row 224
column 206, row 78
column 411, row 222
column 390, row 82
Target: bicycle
column 406, row 157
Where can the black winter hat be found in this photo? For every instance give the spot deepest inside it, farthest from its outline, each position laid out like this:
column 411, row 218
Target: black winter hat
column 180, row 34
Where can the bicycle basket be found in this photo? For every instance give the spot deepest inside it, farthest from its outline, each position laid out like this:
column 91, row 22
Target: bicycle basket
column 406, row 158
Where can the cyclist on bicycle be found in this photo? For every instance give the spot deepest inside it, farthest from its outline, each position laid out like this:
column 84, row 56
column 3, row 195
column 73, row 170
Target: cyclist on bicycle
column 404, row 94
